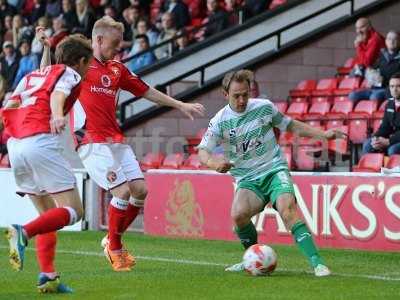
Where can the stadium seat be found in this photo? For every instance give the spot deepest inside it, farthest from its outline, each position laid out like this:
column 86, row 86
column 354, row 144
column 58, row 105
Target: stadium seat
column 299, row 99
column 152, row 161
column 325, row 87
column 172, row 161
column 370, row 162
column 334, row 123
column 340, row 145
column 340, row 110
column 393, row 161
column 381, row 111
column 286, row 138
column 193, row 163
column 376, row 123
column 304, row 159
column 281, row 106
column 319, row 99
column 4, row 161
column 359, row 120
column 347, row 67
column 193, row 141
column 303, row 89
column 296, row 110
column 340, row 99
column 347, row 85
column 317, row 111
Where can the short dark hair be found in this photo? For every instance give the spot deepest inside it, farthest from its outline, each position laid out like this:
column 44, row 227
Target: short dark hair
column 143, row 36
column 395, row 76
column 72, row 48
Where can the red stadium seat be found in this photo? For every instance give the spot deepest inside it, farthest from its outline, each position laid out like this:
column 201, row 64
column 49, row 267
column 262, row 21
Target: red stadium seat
column 347, row 85
column 340, row 99
column 378, row 115
column 281, row 106
column 347, row 67
column 325, row 87
column 304, row 159
column 340, row 110
column 359, row 120
column 172, row 161
column 317, row 111
column 376, row 123
column 193, row 141
column 193, row 163
column 334, row 124
column 286, row 138
column 296, row 110
column 287, row 153
column 152, row 161
column 370, row 162
column 364, row 109
column 340, row 145
column 303, row 89
column 393, row 161
column 298, row 99
column 319, row 99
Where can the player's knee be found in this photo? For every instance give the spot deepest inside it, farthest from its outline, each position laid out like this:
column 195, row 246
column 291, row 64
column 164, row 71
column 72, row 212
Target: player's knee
column 288, row 214
column 75, row 214
column 240, row 218
column 140, row 193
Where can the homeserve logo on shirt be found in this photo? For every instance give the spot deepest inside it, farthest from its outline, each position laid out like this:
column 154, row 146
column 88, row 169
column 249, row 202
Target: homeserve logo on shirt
column 96, row 89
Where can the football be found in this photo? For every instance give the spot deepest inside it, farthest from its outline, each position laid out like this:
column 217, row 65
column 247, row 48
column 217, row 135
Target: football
column 260, row 260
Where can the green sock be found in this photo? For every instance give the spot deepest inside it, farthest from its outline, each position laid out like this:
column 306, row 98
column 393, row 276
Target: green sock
column 304, row 240
column 247, row 235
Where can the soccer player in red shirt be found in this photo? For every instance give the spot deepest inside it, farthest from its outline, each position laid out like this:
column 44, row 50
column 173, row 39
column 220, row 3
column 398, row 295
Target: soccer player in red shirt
column 109, row 161
column 34, row 117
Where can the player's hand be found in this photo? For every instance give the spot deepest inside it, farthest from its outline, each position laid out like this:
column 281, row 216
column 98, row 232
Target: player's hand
column 57, row 124
column 41, row 36
column 334, row 134
column 189, row 109
column 219, row 164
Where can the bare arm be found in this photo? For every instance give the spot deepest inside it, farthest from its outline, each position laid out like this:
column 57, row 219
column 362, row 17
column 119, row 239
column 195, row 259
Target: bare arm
column 218, row 164
column 305, row 130
column 187, row 108
column 58, row 121
column 41, row 37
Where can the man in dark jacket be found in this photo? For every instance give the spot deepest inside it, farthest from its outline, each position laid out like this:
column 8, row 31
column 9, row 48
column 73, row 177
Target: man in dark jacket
column 218, row 19
column 387, row 137
column 9, row 64
column 179, row 10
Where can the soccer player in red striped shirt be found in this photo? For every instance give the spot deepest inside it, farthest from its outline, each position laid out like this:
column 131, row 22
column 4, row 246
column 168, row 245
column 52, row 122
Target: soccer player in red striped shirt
column 34, row 117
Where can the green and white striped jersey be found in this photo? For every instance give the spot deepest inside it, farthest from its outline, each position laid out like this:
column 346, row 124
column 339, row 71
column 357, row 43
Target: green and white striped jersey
column 248, row 139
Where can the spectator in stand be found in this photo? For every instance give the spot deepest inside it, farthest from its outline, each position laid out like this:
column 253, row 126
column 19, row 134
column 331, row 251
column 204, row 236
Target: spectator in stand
column 60, row 31
column 378, row 76
column 146, row 58
column 387, row 137
column 179, row 10
column 27, row 63
column 8, row 32
column 143, row 27
column 38, row 11
column 255, row 7
column 168, row 31
column 21, row 31
column 53, row 8
column 110, row 11
column 232, row 7
column 3, row 89
column 182, row 41
column 69, row 14
column 86, row 18
column 218, row 19
column 143, row 6
column 37, row 46
column 129, row 18
column 9, row 64
column 368, row 44
column 6, row 10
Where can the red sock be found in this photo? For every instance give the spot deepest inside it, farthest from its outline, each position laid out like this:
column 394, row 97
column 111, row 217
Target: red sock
column 51, row 220
column 130, row 216
column 115, row 225
column 45, row 251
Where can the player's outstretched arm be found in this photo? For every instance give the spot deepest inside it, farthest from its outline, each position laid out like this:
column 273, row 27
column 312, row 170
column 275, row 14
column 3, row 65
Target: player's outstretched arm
column 218, row 164
column 189, row 109
column 57, row 121
column 44, row 40
column 305, row 130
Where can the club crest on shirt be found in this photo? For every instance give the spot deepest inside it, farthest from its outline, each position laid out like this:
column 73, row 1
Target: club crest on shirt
column 105, row 81
column 115, row 71
column 111, row 176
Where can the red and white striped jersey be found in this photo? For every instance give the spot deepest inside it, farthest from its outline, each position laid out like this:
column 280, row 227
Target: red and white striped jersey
column 33, row 93
column 94, row 114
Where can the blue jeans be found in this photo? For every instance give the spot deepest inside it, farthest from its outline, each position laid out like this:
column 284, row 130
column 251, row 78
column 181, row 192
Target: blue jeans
column 392, row 149
column 368, row 94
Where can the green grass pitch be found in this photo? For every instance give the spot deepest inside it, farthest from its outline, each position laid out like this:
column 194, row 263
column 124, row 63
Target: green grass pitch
column 194, row 269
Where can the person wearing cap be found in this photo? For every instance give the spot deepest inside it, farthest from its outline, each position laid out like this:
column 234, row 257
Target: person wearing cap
column 28, row 62
column 9, row 64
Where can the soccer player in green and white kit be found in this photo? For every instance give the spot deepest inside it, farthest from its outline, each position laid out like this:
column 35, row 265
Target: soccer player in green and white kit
column 244, row 128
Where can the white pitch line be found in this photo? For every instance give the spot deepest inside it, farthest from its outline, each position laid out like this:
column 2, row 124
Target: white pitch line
column 205, row 263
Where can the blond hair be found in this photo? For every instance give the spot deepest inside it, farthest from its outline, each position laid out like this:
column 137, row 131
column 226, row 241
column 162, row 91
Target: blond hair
column 104, row 24
column 238, row 76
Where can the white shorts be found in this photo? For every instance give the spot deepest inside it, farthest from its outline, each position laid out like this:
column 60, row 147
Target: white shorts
column 110, row 165
column 38, row 165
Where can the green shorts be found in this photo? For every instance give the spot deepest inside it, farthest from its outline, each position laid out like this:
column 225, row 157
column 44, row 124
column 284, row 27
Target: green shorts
column 270, row 186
